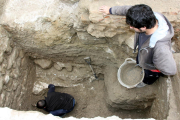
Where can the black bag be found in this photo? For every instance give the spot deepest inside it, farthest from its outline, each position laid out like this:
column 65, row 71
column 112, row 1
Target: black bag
column 150, row 77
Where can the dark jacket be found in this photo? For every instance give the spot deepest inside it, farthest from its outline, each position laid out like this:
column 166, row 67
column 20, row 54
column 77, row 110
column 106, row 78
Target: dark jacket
column 57, row 100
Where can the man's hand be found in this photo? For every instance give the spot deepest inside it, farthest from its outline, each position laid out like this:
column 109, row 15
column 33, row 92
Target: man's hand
column 50, row 86
column 104, row 10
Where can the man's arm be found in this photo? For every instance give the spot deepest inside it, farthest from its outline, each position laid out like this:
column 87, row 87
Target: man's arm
column 51, row 88
column 164, row 61
column 116, row 10
column 120, row 10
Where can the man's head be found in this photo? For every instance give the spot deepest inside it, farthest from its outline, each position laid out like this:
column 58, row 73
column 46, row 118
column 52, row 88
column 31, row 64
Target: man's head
column 140, row 16
column 41, row 104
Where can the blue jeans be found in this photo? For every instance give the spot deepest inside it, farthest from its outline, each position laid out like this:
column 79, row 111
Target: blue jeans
column 62, row 112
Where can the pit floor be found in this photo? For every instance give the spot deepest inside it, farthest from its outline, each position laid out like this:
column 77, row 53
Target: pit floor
column 90, row 102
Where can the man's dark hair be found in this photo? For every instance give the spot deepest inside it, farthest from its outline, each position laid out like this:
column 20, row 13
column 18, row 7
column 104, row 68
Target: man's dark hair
column 141, row 16
column 41, row 104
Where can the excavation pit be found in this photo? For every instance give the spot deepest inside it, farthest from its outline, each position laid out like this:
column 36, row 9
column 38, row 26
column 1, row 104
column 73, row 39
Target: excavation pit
column 45, row 42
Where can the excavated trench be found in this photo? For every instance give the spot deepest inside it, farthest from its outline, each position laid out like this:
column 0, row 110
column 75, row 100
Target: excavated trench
column 26, row 73
column 43, row 45
column 29, row 76
column 77, row 80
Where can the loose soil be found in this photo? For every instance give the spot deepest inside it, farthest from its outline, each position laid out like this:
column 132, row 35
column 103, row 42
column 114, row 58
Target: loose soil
column 131, row 74
column 90, row 102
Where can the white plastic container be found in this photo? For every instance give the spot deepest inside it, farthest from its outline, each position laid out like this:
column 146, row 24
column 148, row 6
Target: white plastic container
column 130, row 74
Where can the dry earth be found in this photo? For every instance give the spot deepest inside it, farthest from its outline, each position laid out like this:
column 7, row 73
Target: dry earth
column 90, row 102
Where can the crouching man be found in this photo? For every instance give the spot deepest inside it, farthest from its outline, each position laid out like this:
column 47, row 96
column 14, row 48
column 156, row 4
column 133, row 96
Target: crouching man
column 56, row 103
column 153, row 33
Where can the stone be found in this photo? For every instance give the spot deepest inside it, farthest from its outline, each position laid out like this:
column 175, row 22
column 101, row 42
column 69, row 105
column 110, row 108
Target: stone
column 39, row 86
column 1, row 57
column 18, row 92
column 58, row 66
column 5, row 42
column 69, row 67
column 15, row 73
column 21, row 54
column 12, row 58
column 85, row 18
column 1, row 84
column 44, row 63
column 24, row 63
column 130, row 42
column 3, row 68
column 3, row 98
column 6, row 78
column 15, row 84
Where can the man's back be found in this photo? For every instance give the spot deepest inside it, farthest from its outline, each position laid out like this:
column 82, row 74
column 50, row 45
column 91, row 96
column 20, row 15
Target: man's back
column 57, row 100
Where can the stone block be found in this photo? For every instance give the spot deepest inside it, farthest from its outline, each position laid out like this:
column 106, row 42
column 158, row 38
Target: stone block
column 44, row 63
column 120, row 97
